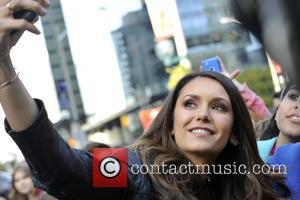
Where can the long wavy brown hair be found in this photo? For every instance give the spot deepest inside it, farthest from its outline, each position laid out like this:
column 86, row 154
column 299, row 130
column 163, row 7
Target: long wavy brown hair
column 156, row 146
column 14, row 193
column 272, row 129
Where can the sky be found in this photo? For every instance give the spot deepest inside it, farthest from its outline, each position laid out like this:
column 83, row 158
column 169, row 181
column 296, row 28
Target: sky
column 88, row 25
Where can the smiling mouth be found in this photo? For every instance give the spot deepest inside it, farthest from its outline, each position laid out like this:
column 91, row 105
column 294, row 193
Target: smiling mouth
column 200, row 132
column 294, row 118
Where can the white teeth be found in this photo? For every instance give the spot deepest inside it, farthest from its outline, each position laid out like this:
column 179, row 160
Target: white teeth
column 201, row 131
column 295, row 118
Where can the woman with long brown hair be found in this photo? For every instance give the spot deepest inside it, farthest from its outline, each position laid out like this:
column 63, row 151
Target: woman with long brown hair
column 203, row 123
column 162, row 143
column 22, row 186
column 284, row 125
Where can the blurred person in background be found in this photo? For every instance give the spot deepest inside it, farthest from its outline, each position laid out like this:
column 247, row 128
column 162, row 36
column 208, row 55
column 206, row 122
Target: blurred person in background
column 284, row 149
column 280, row 128
column 257, row 108
column 22, row 186
column 284, row 126
column 203, row 121
column 5, row 184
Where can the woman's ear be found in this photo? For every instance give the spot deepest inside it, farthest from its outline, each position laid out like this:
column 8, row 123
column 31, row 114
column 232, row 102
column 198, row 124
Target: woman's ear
column 172, row 133
column 233, row 140
column 276, row 116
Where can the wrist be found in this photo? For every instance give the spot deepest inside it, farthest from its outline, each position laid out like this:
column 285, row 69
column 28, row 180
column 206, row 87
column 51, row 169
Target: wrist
column 7, row 70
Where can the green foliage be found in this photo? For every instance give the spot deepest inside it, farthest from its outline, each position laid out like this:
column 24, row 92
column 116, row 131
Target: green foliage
column 259, row 80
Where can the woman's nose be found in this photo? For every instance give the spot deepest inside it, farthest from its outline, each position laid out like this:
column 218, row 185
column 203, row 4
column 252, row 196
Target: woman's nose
column 203, row 115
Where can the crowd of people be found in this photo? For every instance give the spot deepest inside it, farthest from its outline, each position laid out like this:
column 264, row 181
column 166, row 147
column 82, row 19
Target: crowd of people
column 207, row 119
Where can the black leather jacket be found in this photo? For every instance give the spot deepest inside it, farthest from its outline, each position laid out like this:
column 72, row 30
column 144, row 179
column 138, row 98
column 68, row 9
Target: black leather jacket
column 67, row 173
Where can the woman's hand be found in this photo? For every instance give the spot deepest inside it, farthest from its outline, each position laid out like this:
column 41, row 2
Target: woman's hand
column 232, row 76
column 8, row 23
column 255, row 104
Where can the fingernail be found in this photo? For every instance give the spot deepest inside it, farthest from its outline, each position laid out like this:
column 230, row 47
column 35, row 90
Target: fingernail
column 43, row 11
column 36, row 30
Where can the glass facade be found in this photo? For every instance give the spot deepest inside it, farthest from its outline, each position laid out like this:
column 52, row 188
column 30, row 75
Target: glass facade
column 207, row 34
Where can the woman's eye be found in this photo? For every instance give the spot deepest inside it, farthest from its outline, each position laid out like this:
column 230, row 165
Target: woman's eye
column 293, row 97
column 189, row 104
column 218, row 107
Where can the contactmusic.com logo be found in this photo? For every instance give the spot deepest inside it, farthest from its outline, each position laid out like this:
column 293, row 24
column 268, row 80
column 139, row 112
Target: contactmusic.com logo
column 110, row 167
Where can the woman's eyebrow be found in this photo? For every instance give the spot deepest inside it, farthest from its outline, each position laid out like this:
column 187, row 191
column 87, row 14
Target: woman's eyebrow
column 293, row 90
column 191, row 95
column 294, row 87
column 221, row 99
column 217, row 98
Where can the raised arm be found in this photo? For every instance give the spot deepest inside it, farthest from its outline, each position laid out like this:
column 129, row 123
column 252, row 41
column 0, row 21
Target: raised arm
column 56, row 168
column 19, row 108
column 255, row 104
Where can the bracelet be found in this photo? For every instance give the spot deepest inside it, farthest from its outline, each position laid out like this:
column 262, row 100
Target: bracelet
column 6, row 83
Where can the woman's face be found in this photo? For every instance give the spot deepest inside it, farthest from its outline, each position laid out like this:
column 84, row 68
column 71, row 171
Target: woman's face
column 23, row 182
column 203, row 119
column 288, row 114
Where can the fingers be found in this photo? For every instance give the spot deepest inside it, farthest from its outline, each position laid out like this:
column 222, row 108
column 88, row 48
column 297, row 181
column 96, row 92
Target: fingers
column 7, row 21
column 234, row 74
column 34, row 6
column 15, row 38
column 19, row 24
column 6, row 10
column 45, row 3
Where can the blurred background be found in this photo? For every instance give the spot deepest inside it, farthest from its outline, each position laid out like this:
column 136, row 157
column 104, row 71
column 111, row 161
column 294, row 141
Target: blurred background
column 102, row 67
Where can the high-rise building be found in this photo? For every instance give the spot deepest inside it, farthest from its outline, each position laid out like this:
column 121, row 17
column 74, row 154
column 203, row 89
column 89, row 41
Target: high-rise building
column 62, row 64
column 207, row 33
column 143, row 74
